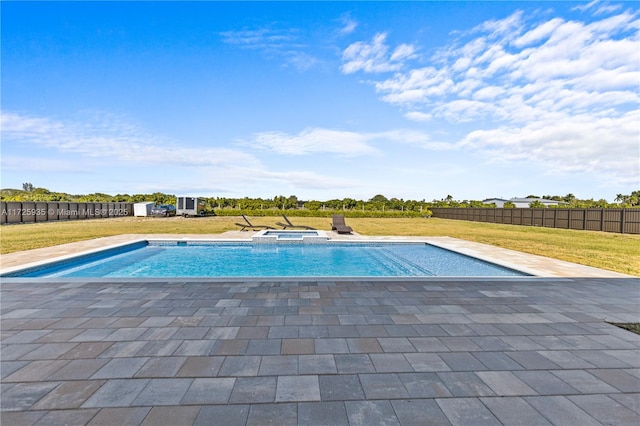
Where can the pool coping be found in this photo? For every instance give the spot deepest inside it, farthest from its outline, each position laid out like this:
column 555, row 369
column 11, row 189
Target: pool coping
column 536, row 266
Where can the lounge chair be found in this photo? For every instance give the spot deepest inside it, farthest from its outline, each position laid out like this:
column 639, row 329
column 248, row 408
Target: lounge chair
column 287, row 224
column 339, row 226
column 249, row 225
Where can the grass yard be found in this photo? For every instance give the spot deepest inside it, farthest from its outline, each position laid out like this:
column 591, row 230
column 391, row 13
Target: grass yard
column 614, row 252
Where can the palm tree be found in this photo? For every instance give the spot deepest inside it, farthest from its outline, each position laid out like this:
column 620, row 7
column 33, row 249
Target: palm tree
column 621, row 198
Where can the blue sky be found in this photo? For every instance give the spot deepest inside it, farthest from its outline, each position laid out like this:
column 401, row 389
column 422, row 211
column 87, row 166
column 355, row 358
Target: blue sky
column 414, row 100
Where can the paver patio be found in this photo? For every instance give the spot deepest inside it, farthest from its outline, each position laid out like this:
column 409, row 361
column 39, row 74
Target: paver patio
column 441, row 351
column 438, row 351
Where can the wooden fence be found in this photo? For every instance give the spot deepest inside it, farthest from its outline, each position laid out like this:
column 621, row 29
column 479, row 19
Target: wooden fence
column 626, row 221
column 30, row 212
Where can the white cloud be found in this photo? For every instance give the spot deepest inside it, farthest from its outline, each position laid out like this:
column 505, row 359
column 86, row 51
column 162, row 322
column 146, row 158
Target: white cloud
column 488, row 93
column 416, row 86
column 506, row 27
column 546, row 91
column 404, row 51
column 538, row 33
column 109, row 148
column 105, row 136
column 349, row 25
column 300, row 60
column 374, row 56
column 586, row 6
column 418, row 116
column 465, row 110
column 570, row 53
column 583, row 143
column 259, row 38
column 597, row 7
column 315, row 140
column 284, row 44
column 343, row 143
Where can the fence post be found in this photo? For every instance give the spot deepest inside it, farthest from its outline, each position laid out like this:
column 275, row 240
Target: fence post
column 622, row 221
column 602, row 219
column 584, row 219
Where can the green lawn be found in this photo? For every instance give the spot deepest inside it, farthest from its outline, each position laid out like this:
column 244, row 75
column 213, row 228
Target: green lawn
column 615, row 252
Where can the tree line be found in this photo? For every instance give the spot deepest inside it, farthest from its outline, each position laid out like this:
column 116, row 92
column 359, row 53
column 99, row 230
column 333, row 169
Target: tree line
column 378, row 203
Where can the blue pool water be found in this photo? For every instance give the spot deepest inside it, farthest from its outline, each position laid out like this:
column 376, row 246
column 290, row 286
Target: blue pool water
column 180, row 259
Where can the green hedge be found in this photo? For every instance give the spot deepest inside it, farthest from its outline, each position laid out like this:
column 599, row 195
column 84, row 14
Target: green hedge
column 322, row 213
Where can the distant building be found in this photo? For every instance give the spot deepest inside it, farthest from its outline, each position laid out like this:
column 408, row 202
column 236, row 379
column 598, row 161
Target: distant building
column 523, row 202
column 499, row 202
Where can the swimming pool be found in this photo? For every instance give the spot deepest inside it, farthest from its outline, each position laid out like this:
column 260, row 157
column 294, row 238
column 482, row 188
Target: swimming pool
column 153, row 259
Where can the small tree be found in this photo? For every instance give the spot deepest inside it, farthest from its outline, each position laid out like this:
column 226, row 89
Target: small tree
column 379, row 199
column 537, row 204
column 312, row 205
column 509, row 205
column 27, row 187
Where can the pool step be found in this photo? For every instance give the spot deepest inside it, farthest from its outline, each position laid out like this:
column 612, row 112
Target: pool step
column 401, row 263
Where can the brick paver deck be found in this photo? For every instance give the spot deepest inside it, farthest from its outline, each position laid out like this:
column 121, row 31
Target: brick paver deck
column 440, row 351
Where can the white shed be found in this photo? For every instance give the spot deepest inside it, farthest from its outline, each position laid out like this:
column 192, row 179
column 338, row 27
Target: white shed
column 142, row 209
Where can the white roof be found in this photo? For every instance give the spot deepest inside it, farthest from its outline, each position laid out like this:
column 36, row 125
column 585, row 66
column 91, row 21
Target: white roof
column 530, row 200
